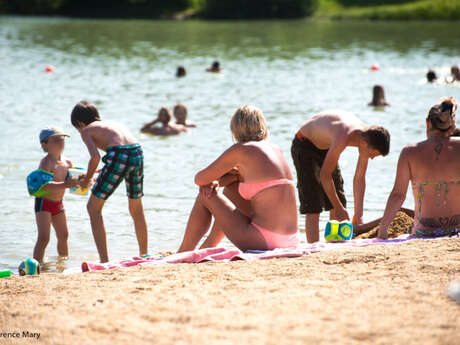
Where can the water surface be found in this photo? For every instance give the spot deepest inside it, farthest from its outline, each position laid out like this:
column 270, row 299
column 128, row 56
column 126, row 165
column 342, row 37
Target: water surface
column 290, row 69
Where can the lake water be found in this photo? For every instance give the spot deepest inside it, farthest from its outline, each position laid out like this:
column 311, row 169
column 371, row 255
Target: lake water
column 290, row 69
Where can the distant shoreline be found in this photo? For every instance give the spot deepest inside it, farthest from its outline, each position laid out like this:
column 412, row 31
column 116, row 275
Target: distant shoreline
column 423, row 10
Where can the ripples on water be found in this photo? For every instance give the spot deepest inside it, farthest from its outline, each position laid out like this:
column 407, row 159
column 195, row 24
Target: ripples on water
column 290, row 69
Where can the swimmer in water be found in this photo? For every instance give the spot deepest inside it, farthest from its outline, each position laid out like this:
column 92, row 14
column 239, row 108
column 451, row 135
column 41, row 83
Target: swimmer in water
column 431, row 76
column 433, row 168
column 166, row 128
column 378, row 97
column 181, row 72
column 215, row 67
column 180, row 114
column 455, row 75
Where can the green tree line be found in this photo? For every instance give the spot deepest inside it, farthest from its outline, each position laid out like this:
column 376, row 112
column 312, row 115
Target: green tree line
column 239, row 9
column 97, row 8
column 218, row 9
column 372, row 2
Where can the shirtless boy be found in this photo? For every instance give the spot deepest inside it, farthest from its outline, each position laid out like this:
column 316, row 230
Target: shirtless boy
column 123, row 160
column 316, row 149
column 49, row 209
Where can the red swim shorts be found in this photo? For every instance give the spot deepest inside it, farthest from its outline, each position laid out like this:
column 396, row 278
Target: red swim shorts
column 53, row 207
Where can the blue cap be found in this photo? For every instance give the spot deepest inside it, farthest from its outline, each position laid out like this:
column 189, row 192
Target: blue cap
column 47, row 132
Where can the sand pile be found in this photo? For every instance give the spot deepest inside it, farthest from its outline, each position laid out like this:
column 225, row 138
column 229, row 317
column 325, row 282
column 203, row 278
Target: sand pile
column 400, row 225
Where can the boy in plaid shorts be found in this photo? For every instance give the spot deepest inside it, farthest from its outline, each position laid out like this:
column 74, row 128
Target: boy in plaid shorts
column 123, row 161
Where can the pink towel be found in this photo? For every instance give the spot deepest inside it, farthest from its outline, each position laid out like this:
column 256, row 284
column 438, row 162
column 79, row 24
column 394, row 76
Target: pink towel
column 221, row 254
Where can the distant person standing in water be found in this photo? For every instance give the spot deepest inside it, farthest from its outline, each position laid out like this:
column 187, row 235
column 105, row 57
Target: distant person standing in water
column 180, row 114
column 378, row 97
column 431, row 76
column 215, row 67
column 166, row 128
column 181, row 72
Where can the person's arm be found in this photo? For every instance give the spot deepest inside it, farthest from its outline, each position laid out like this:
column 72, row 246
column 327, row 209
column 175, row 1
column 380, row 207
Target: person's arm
column 359, row 187
column 221, row 166
column 365, row 227
column 155, row 131
column 148, row 125
column 231, row 177
column 330, row 163
column 94, row 158
column 397, row 195
column 54, row 186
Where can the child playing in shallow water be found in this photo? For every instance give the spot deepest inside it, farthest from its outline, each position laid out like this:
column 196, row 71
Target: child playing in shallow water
column 124, row 160
column 49, row 209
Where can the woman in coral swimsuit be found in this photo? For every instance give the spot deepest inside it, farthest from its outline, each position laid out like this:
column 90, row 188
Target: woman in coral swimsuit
column 258, row 208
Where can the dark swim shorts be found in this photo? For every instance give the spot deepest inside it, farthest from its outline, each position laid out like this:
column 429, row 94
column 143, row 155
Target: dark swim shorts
column 121, row 162
column 308, row 160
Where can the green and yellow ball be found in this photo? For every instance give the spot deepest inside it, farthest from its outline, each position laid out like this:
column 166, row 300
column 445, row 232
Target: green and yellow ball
column 338, row 231
column 29, row 267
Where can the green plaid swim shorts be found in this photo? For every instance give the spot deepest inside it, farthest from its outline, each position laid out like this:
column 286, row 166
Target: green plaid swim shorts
column 121, row 162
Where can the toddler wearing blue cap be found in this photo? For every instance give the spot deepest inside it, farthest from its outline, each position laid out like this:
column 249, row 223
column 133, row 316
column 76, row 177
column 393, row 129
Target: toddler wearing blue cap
column 47, row 185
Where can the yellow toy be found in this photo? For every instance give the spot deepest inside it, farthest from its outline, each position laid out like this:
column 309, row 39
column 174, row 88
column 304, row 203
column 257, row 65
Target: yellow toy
column 338, row 231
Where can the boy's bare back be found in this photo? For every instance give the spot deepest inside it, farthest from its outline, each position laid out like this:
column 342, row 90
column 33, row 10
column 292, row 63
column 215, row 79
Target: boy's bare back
column 330, row 125
column 105, row 134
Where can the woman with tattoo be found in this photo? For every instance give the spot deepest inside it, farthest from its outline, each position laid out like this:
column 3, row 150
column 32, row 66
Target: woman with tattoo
column 433, row 168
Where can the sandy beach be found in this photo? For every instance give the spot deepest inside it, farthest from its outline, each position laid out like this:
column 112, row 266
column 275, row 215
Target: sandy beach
column 393, row 294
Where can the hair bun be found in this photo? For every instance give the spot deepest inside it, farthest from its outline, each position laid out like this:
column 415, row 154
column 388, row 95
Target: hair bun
column 442, row 115
column 449, row 104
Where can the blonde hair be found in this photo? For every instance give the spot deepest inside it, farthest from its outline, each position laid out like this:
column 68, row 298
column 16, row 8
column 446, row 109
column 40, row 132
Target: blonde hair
column 248, row 124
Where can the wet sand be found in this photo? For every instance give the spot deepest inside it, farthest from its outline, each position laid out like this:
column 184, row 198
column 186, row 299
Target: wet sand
column 393, row 294
column 400, row 225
